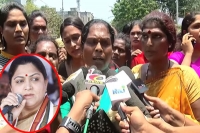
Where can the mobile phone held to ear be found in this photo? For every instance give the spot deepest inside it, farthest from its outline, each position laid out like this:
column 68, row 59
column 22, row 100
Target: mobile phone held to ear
column 193, row 42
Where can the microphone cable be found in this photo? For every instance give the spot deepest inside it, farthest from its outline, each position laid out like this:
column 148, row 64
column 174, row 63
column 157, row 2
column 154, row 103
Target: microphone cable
column 88, row 116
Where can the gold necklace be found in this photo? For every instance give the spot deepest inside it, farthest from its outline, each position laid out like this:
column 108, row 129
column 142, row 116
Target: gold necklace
column 148, row 69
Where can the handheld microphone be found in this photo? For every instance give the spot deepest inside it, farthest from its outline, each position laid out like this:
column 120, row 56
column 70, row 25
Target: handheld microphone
column 92, row 68
column 68, row 91
column 134, row 100
column 96, row 83
column 77, row 79
column 96, row 80
column 137, row 85
column 8, row 108
column 118, row 93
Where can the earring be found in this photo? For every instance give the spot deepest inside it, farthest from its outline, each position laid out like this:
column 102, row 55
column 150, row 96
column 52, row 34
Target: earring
column 2, row 43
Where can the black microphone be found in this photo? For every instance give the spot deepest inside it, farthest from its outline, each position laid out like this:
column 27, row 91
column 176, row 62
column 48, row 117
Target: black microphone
column 68, row 91
column 8, row 108
column 136, row 85
column 65, row 97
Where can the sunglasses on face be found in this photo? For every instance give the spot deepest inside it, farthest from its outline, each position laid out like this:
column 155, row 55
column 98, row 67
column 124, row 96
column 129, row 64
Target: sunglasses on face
column 105, row 42
column 37, row 28
column 51, row 55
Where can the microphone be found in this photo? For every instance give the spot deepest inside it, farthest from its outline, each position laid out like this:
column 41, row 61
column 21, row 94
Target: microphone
column 68, row 91
column 134, row 100
column 77, row 79
column 118, row 93
column 8, row 108
column 137, row 85
column 92, row 68
column 96, row 82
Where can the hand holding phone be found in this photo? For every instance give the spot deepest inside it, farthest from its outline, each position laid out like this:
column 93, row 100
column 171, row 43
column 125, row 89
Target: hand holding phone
column 188, row 42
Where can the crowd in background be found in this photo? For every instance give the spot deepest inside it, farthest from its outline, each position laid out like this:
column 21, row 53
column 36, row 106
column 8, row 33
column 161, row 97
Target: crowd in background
column 168, row 62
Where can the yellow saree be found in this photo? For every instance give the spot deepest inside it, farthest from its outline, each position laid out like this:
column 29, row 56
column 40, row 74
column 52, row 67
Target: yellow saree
column 178, row 87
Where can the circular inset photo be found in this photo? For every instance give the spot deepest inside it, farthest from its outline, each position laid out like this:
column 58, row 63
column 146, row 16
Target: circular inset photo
column 32, row 93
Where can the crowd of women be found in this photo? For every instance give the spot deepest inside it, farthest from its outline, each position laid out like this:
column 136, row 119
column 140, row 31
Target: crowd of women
column 167, row 62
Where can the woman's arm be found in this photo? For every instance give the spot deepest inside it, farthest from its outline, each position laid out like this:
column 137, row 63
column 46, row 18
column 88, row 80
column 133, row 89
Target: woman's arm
column 187, row 59
column 8, row 129
column 78, row 111
column 170, row 115
column 189, row 129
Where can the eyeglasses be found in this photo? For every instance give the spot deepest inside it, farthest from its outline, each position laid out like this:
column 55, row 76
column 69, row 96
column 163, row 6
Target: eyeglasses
column 105, row 42
column 37, row 28
column 51, row 55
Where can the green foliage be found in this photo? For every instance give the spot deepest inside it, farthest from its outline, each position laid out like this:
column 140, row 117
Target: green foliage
column 30, row 6
column 3, row 2
column 184, row 6
column 125, row 11
column 54, row 21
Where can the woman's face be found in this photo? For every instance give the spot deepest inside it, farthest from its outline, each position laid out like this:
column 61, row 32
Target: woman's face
column 30, row 83
column 48, row 50
column 38, row 27
column 15, row 30
column 135, row 37
column 154, row 43
column 119, row 52
column 194, row 28
column 71, row 38
column 97, row 49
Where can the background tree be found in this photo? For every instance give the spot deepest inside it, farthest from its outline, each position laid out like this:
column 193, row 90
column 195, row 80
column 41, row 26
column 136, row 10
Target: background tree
column 54, row 21
column 184, row 6
column 125, row 11
column 30, row 6
column 2, row 2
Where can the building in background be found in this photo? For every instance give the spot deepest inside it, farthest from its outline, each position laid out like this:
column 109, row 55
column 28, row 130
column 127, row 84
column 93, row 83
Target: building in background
column 23, row 2
column 84, row 16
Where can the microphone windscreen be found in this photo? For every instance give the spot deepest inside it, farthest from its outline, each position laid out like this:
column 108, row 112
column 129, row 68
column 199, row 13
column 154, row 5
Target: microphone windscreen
column 93, row 67
column 128, row 71
column 64, row 97
column 20, row 98
column 111, row 73
column 85, row 71
column 69, row 89
column 97, row 72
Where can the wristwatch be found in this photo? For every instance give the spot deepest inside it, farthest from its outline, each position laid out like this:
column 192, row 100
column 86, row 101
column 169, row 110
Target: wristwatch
column 71, row 125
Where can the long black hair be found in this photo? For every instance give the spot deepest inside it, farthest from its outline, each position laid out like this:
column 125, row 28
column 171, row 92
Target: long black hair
column 4, row 12
column 25, row 59
column 74, row 21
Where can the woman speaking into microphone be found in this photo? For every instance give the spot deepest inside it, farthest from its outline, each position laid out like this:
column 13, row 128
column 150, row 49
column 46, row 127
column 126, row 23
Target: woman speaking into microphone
column 28, row 77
